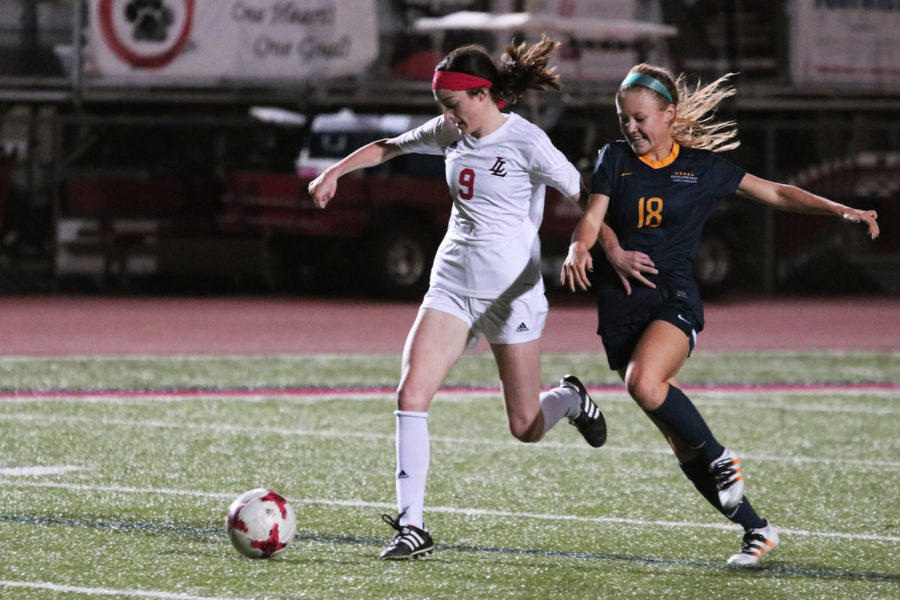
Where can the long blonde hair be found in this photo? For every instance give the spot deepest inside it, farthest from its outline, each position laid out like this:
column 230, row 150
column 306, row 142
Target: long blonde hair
column 695, row 124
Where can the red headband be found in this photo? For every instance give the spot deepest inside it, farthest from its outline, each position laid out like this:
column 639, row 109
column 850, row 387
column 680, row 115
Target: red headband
column 452, row 80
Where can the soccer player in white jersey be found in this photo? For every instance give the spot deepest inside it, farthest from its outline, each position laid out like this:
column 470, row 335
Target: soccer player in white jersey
column 486, row 279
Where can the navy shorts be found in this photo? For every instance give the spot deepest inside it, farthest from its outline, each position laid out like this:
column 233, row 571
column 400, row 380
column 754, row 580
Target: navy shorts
column 620, row 340
column 623, row 318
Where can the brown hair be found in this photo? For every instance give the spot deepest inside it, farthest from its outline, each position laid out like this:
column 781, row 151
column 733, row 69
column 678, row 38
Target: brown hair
column 695, row 125
column 522, row 67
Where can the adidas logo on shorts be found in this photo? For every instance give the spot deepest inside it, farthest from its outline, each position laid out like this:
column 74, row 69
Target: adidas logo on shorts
column 522, row 328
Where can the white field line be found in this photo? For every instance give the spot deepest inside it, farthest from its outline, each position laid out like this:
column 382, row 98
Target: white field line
column 293, row 356
column 469, row 512
column 364, row 435
column 703, row 397
column 102, row 591
column 343, row 434
column 37, row 471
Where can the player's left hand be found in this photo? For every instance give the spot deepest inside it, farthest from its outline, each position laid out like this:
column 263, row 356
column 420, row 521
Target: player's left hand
column 630, row 264
column 869, row 217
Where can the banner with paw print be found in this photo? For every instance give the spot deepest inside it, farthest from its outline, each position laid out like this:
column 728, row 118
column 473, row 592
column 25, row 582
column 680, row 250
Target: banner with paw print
column 197, row 42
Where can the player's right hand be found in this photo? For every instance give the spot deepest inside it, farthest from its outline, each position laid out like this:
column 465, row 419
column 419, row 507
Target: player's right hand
column 576, row 266
column 322, row 189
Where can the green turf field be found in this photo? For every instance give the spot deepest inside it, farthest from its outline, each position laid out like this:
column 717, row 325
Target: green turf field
column 118, row 485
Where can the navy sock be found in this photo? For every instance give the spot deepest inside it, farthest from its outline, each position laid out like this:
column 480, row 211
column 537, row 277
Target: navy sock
column 682, row 418
column 743, row 514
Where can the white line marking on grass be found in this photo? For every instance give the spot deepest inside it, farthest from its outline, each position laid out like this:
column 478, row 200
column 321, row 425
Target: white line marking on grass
column 36, row 471
column 364, row 435
column 375, row 391
column 127, row 398
column 716, row 396
column 721, row 398
column 118, row 489
column 475, row 512
column 100, row 591
column 642, row 522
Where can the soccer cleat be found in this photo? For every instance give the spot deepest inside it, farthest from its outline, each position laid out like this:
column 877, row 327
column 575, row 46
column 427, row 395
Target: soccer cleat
column 757, row 543
column 590, row 421
column 726, row 470
column 409, row 542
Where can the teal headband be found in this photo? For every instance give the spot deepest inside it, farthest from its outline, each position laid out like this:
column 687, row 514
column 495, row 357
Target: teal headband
column 647, row 82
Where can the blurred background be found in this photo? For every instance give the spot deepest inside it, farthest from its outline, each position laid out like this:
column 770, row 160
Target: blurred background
column 165, row 145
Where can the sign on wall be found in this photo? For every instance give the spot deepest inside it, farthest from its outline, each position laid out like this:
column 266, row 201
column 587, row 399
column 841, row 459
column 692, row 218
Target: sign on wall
column 205, row 41
column 846, row 42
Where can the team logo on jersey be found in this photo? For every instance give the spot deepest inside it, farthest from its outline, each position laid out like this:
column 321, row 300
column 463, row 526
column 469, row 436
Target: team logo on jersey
column 684, row 177
column 498, row 168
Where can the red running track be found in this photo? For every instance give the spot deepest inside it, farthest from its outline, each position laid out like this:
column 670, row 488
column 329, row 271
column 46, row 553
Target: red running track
column 88, row 325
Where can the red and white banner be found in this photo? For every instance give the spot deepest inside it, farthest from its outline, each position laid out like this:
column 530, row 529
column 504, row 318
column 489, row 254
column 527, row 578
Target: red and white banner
column 208, row 41
column 846, row 42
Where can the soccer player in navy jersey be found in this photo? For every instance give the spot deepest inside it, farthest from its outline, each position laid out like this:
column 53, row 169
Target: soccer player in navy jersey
column 656, row 189
column 486, row 279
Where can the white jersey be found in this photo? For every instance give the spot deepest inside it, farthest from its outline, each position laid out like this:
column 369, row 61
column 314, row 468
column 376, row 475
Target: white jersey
column 497, row 183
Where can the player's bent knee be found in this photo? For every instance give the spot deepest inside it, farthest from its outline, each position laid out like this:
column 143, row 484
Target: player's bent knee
column 528, row 437
column 527, row 431
column 648, row 392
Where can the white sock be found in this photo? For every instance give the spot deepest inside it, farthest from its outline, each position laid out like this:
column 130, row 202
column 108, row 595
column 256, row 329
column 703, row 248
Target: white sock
column 558, row 403
column 413, row 452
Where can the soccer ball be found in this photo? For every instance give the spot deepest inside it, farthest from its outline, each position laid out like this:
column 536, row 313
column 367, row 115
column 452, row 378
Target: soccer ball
column 260, row 523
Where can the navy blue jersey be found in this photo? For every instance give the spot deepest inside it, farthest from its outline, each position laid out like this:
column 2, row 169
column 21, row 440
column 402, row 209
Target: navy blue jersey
column 660, row 210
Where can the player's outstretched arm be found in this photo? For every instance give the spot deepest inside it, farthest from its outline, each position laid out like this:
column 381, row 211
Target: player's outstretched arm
column 323, row 187
column 794, row 199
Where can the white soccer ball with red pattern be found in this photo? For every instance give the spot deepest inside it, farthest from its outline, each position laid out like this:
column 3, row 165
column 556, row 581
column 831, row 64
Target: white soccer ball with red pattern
column 261, row 523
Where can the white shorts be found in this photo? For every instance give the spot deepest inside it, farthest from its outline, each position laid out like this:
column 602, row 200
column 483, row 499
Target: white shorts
column 501, row 321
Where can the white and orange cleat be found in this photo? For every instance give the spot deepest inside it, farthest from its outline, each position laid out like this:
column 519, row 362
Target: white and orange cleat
column 726, row 470
column 757, row 544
